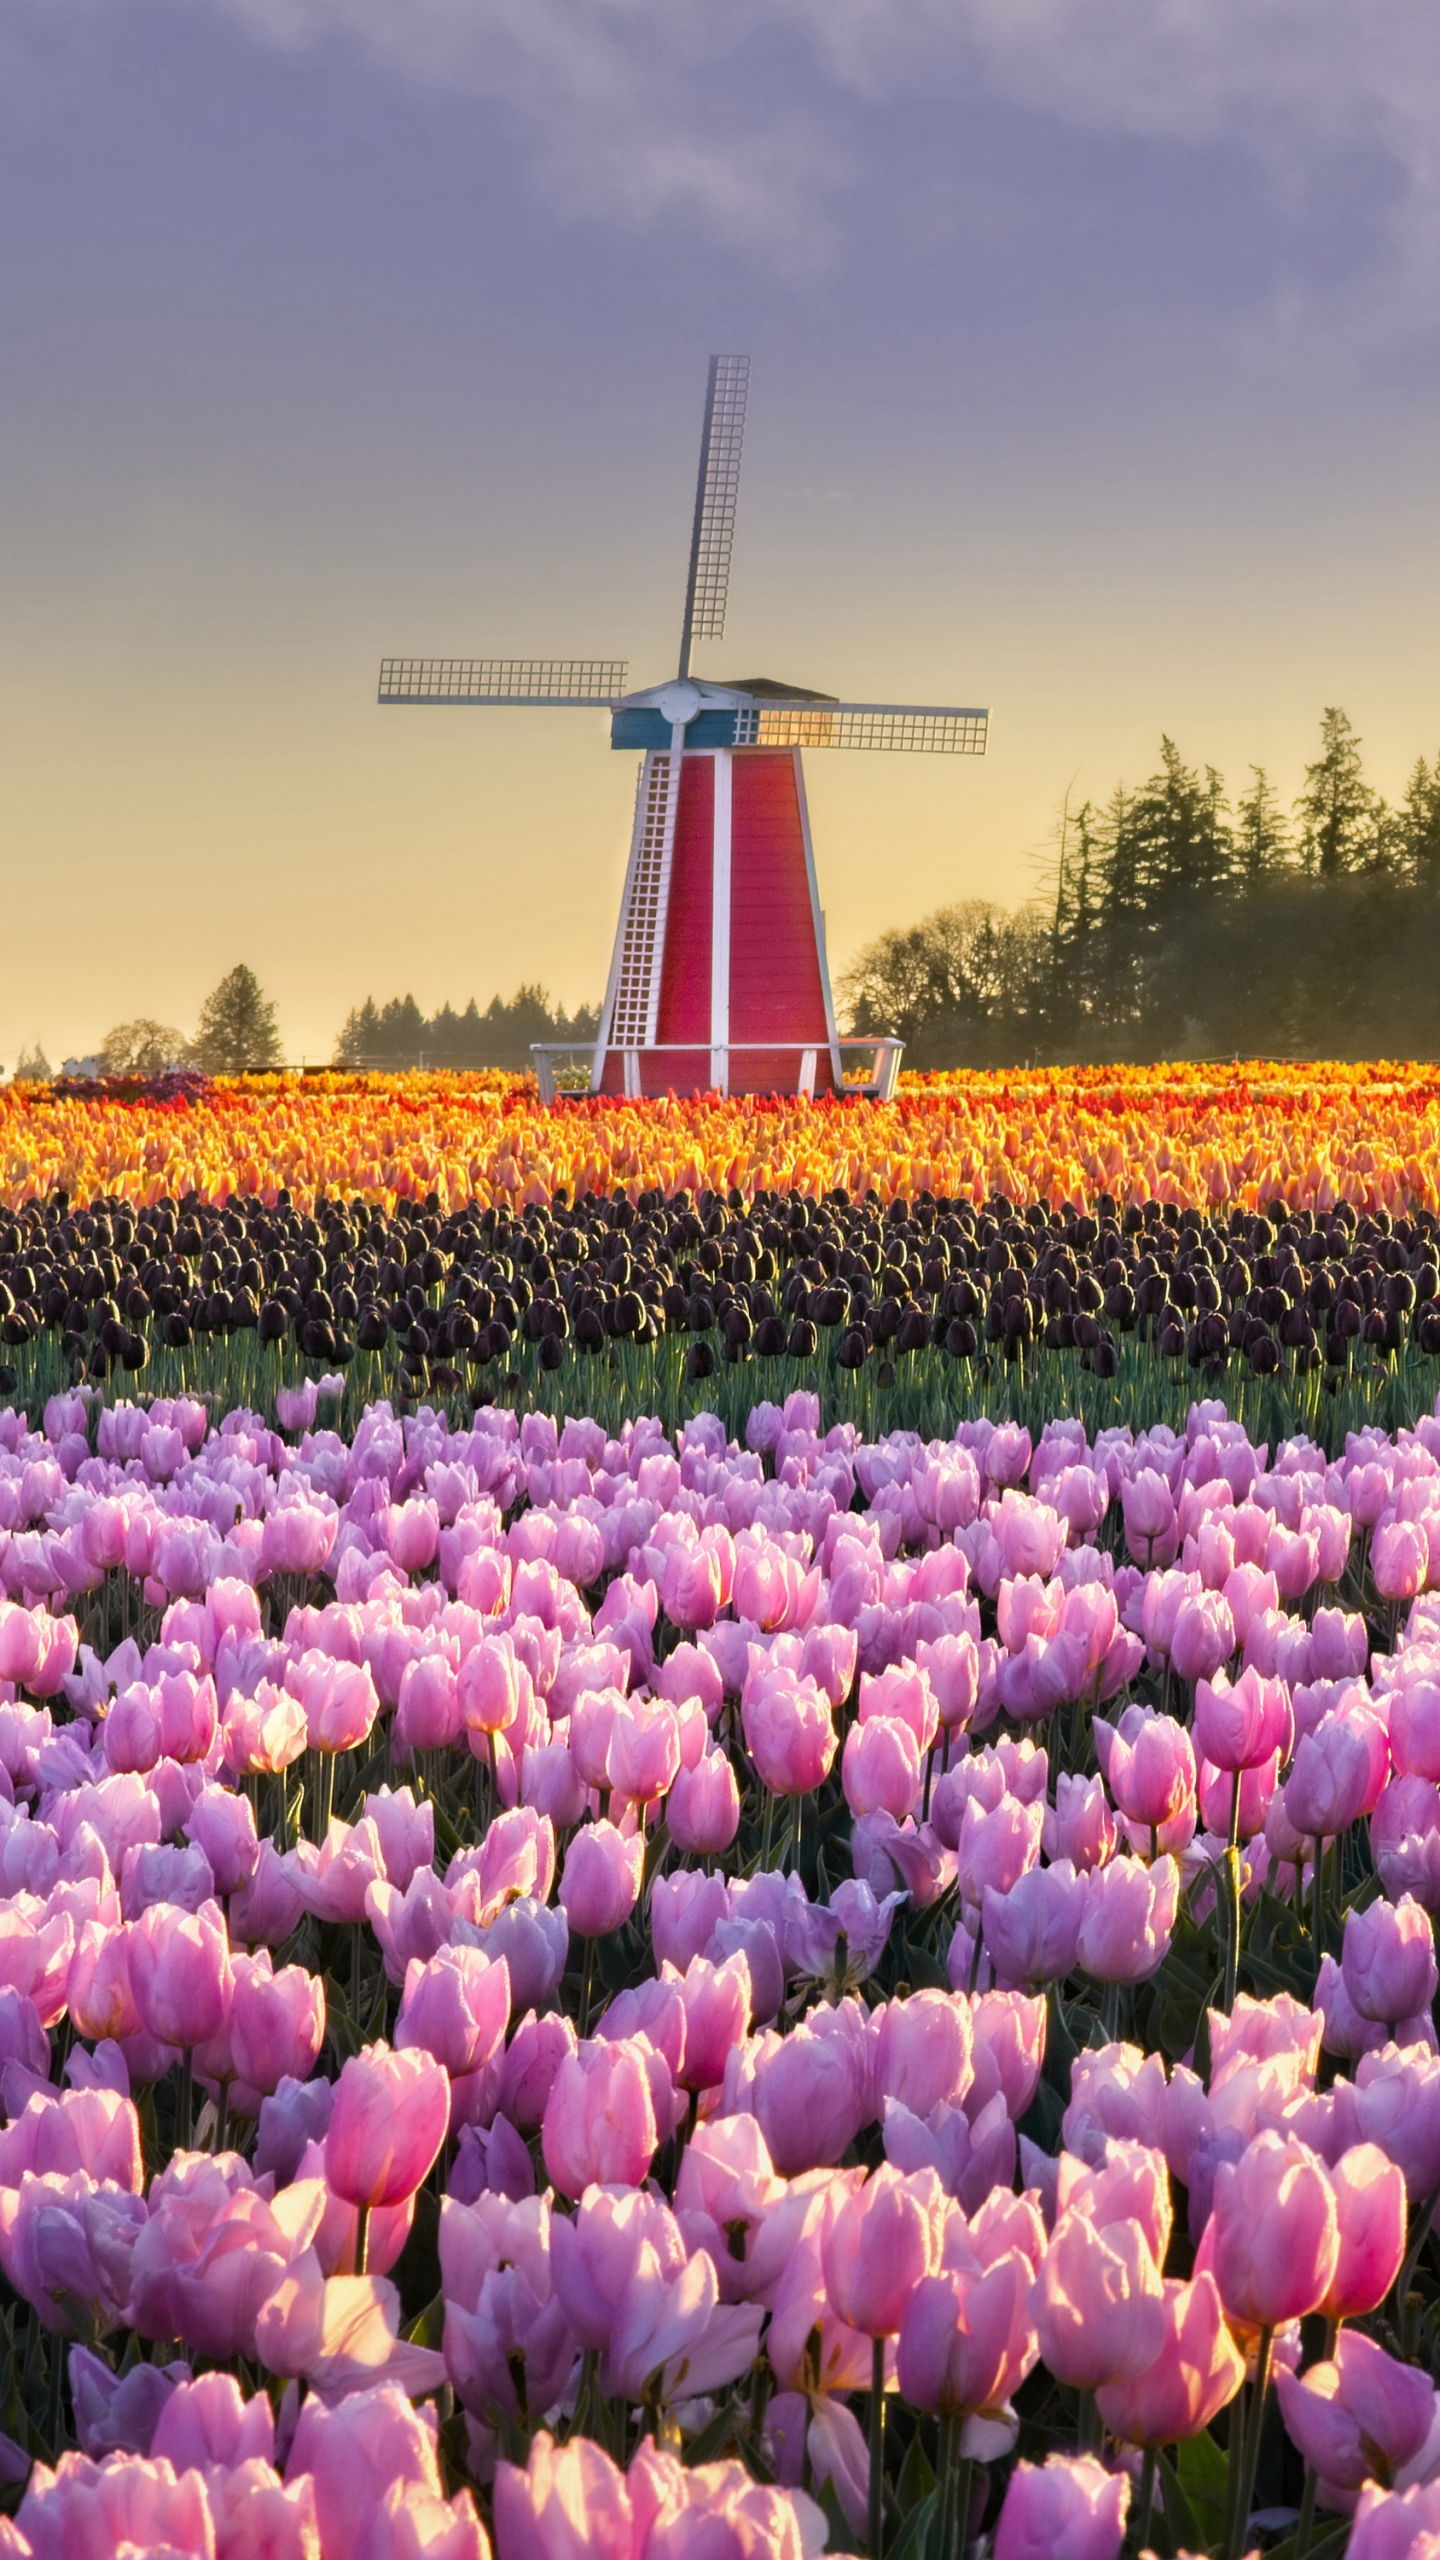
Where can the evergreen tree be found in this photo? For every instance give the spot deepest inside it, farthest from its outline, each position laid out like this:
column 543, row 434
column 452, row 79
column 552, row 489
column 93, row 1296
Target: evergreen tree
column 237, row 1034
column 1418, row 826
column 1262, row 839
column 1337, row 810
column 1176, row 832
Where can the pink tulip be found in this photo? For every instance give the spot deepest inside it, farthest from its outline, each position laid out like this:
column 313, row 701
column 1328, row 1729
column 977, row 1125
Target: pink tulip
column 1397, row 2107
column 1080, row 1826
column 967, row 2340
column 339, row 1698
column 268, row 1908
column 356, row 2454
column 1198, row 2371
column 599, row 2126
column 880, row 1768
column 1203, row 1637
column 456, row 2007
column 264, row 1733
column 427, row 1717
column 684, row 1910
column 1098, row 2303
column 1415, row 1727
column 904, row 1694
column 1370, row 2208
column 1390, row 2524
column 222, row 1825
column 811, row 2098
column 1067, row 2509
column 1152, row 1531
column 209, row 2422
column 1361, row 2416
column 1399, row 1559
column 179, row 1965
column 1128, row 1918
column 1032, row 1932
column 392, row 2112
column 997, row 1848
column 1240, row 1724
column 600, row 1884
column 789, row 1733
column 1151, row 1769
column 415, row 2524
column 692, row 1587
column 702, row 1811
column 277, row 2024
column 1337, row 1773
column 923, row 2050
column 1388, row 1960
column 876, row 2245
column 569, row 2500
column 93, row 2130
column 643, row 1753
column 532, row 2060
column 717, row 2005
column 1276, row 2232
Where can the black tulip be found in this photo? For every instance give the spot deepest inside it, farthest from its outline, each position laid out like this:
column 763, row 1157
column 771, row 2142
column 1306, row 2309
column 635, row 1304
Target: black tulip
column 176, row 1329
column 803, row 1339
column 1264, row 1355
column 769, row 1338
column 699, row 1361
column 852, row 1349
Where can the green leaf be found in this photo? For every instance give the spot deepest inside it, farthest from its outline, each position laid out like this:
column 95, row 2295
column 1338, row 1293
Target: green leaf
column 1185, row 2534
column 1205, row 2477
column 427, row 2329
column 919, row 2533
column 841, row 2535
column 917, row 2476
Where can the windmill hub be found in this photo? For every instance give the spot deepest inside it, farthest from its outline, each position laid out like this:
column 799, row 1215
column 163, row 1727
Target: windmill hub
column 678, row 703
column 719, row 975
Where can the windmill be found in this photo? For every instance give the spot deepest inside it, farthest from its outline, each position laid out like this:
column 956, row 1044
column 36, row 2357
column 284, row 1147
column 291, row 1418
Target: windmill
column 719, row 977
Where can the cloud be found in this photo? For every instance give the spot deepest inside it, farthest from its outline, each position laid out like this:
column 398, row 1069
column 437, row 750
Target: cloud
column 748, row 117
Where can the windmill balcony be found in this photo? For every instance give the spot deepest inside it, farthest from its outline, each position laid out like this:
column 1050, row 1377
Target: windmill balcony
column 871, row 1067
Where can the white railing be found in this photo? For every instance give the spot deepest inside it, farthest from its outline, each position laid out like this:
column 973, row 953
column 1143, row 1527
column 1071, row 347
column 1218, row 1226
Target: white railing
column 568, row 1066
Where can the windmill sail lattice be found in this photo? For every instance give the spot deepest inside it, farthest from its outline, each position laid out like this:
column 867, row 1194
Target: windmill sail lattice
column 719, row 974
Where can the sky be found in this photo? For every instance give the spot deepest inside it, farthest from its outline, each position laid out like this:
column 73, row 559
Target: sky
column 1095, row 361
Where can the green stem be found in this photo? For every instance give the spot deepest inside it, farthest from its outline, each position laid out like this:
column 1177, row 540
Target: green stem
column 222, row 2117
column 185, row 2101
column 1306, row 2525
column 1232, row 1877
column 1250, row 2450
column 1086, row 2423
column 949, row 2441
column 362, row 2239
column 1316, row 1901
column 1147, row 2495
column 1412, row 2255
column 586, row 1979
column 875, row 2537
column 767, row 1830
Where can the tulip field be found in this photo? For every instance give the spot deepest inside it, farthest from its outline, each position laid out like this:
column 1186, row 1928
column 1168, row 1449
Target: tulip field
column 720, row 1825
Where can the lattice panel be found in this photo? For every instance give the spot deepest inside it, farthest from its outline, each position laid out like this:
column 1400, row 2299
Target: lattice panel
column 862, row 724
column 572, row 681
column 715, row 499
column 647, row 889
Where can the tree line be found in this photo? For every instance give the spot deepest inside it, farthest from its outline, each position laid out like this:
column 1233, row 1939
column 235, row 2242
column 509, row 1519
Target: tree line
column 1174, row 923
column 398, row 1034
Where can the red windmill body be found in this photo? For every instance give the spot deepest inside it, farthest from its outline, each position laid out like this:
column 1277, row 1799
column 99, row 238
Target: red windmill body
column 719, row 978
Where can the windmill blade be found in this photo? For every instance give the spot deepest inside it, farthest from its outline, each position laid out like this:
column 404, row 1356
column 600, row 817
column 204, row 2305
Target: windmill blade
column 716, row 491
column 548, row 682
column 901, row 728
